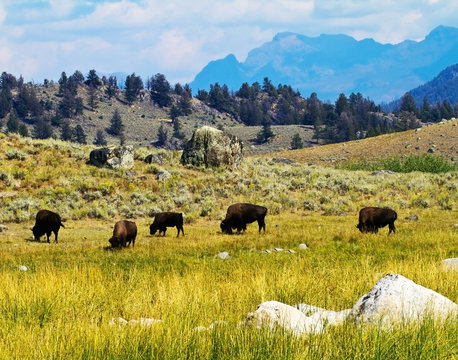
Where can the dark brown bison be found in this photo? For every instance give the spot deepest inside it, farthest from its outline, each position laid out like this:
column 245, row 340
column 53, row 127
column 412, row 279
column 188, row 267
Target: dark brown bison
column 46, row 222
column 238, row 215
column 373, row 218
column 124, row 233
column 164, row 220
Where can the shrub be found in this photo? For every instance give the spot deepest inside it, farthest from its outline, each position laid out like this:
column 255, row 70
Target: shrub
column 15, row 154
column 424, row 163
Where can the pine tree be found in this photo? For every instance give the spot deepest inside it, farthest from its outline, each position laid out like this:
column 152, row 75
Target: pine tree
column 117, row 126
column 92, row 97
column 100, row 139
column 296, row 142
column 42, row 129
column 161, row 135
column 160, row 90
column 80, row 136
column 66, row 133
column 23, row 130
column 177, row 129
column 266, row 132
column 12, row 125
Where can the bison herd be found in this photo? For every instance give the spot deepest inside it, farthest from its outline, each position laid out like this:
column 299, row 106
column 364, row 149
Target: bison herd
column 237, row 218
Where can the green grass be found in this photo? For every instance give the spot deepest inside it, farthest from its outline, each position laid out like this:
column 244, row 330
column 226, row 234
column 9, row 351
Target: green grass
column 426, row 163
column 61, row 307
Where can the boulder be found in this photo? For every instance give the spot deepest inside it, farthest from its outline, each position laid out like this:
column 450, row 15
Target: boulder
column 212, row 147
column 154, row 159
column 113, row 157
column 395, row 298
column 276, row 314
column 163, row 175
column 450, row 264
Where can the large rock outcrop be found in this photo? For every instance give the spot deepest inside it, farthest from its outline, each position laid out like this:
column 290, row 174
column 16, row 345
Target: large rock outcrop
column 212, row 147
column 113, row 157
column 393, row 299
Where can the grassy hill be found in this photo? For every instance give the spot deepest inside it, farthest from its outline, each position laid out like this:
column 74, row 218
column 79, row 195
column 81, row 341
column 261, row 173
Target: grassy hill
column 441, row 139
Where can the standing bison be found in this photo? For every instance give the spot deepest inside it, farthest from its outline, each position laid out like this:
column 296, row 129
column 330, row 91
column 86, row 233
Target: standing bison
column 124, row 233
column 164, row 220
column 238, row 215
column 46, row 222
column 373, row 218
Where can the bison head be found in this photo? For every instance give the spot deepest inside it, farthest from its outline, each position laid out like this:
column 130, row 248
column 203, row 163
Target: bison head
column 152, row 229
column 36, row 233
column 225, row 227
column 115, row 242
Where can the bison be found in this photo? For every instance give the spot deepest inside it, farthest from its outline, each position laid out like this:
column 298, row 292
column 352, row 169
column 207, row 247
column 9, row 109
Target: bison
column 163, row 220
column 238, row 215
column 373, row 218
column 46, row 222
column 124, row 233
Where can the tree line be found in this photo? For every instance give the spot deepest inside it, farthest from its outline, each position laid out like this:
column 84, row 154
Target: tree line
column 348, row 118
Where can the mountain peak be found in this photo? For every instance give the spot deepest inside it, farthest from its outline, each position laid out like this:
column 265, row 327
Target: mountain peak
column 334, row 64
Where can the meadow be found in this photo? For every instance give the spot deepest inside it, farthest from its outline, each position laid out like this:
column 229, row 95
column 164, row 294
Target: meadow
column 62, row 304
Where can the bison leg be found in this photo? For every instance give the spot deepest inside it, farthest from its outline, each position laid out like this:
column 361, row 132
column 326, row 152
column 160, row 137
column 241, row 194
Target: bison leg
column 48, row 234
column 180, row 228
column 262, row 225
column 392, row 228
column 55, row 235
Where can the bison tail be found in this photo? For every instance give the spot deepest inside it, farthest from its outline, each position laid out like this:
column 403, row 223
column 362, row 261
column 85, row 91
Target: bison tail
column 62, row 224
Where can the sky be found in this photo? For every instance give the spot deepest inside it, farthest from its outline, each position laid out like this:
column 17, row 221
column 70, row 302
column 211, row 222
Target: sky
column 39, row 39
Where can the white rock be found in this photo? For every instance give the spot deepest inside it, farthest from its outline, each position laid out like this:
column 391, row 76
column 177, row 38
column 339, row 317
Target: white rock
column 224, row 255
column 142, row 321
column 291, row 251
column 23, row 268
column 3, row 228
column 267, row 251
column 450, row 264
column 303, row 246
column 395, row 299
column 278, row 249
column 276, row 314
column 118, row 321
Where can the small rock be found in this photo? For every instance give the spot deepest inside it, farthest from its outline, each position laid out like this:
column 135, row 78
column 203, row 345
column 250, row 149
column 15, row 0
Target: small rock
column 163, row 175
column 383, row 172
column 3, row 228
column 284, row 161
column 431, row 150
column 23, row 268
column 224, row 255
column 267, row 251
column 412, row 217
column 303, row 247
column 418, row 130
column 291, row 251
column 278, row 249
column 450, row 264
column 118, row 321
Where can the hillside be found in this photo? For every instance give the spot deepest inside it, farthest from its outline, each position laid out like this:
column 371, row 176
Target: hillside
column 442, row 137
column 334, row 64
column 442, row 87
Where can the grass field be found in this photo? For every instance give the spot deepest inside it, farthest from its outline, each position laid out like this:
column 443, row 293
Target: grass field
column 62, row 305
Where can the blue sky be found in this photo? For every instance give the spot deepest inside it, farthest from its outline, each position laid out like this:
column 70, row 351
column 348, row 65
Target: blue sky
column 41, row 38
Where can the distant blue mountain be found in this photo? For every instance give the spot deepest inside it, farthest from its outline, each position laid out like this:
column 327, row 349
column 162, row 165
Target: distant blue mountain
column 334, row 64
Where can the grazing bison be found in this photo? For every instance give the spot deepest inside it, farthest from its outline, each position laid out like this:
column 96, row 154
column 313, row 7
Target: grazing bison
column 46, row 222
column 238, row 215
column 124, row 233
column 373, row 218
column 163, row 220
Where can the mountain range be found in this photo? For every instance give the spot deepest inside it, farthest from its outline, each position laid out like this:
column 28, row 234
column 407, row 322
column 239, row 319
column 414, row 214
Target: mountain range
column 334, row 64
